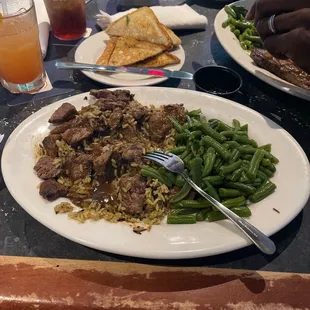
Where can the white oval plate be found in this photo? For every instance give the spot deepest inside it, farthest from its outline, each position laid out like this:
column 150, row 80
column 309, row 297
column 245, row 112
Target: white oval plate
column 231, row 44
column 91, row 49
column 163, row 241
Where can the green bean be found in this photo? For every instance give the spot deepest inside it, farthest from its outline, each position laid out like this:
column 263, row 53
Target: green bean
column 188, row 158
column 205, row 127
column 240, row 10
column 211, row 191
column 181, row 219
column 236, row 124
column 214, row 180
column 202, row 214
column 244, row 178
column 271, row 157
column 242, row 25
column 266, row 147
column 213, row 123
column 247, row 149
column 244, row 128
column 224, row 170
column 191, row 204
column 217, row 165
column 244, row 140
column 262, row 192
column 230, row 11
column 209, row 159
column 237, row 32
column 229, row 193
column 247, row 157
column 194, row 135
column 177, row 150
column 176, row 124
column 233, row 133
column 196, row 170
column 194, row 113
column 249, row 45
column 181, row 136
column 223, row 127
column 183, row 211
column 179, row 181
column 266, row 171
column 217, row 146
column 254, row 164
column 167, row 174
column 234, row 202
column 240, row 186
column 216, row 215
column 152, row 173
column 256, row 183
column 225, row 24
column 262, row 175
column 236, row 175
column 233, row 144
column 253, row 39
column 235, row 154
column 268, row 164
column 189, row 121
column 185, row 153
column 181, row 194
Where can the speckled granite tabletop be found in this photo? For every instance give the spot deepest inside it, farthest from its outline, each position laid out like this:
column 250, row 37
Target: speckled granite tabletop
column 21, row 235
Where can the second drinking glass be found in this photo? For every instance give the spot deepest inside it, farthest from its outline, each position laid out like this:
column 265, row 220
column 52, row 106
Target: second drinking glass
column 67, row 17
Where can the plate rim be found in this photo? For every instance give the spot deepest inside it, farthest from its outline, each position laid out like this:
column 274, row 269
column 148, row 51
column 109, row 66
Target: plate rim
column 138, row 83
column 286, row 87
column 155, row 255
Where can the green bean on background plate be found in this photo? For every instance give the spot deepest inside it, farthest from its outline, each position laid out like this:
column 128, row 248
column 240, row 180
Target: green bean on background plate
column 243, row 29
column 223, row 160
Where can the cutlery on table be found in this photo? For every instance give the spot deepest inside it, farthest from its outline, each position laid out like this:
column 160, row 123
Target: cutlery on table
column 217, row 80
column 174, row 164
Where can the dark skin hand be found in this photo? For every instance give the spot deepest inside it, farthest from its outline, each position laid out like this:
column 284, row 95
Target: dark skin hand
column 292, row 23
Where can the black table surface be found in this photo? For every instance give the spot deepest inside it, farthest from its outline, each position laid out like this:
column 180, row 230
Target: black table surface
column 21, row 235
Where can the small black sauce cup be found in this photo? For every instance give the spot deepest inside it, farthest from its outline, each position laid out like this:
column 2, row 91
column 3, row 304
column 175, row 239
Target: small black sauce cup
column 217, row 80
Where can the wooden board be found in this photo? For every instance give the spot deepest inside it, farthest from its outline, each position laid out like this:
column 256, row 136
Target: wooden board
column 38, row 283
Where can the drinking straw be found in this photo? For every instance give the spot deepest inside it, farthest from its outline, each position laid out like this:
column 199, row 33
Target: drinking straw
column 5, row 8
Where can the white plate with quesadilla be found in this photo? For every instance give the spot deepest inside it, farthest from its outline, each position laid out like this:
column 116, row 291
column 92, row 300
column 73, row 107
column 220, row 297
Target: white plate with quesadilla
column 135, row 41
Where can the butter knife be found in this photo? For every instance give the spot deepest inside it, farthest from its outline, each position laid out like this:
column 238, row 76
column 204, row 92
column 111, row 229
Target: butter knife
column 145, row 71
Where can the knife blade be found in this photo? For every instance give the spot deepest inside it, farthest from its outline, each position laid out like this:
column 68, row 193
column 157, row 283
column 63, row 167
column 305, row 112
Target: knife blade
column 144, row 71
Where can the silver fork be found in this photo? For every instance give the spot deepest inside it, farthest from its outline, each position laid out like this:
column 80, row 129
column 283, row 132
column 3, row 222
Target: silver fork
column 175, row 164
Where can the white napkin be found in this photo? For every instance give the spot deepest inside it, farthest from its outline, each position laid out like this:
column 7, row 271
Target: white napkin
column 174, row 17
column 44, row 25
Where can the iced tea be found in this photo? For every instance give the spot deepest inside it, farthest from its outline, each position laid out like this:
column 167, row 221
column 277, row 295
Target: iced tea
column 21, row 66
column 67, row 17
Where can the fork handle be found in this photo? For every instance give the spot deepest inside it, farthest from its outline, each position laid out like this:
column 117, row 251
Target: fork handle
column 263, row 243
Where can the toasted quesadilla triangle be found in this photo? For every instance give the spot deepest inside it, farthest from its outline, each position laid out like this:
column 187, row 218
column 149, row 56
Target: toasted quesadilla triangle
column 128, row 51
column 161, row 60
column 142, row 25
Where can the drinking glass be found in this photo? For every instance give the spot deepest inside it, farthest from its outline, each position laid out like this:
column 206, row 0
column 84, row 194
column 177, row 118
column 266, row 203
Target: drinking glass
column 21, row 65
column 67, row 17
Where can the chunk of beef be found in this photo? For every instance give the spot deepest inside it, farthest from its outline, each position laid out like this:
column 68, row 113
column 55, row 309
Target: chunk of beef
column 115, row 118
column 134, row 199
column 49, row 144
column 137, row 112
column 110, row 105
column 60, row 129
column 124, row 95
column 63, row 114
column 46, row 168
column 51, row 190
column 119, row 94
column 133, row 153
column 74, row 136
column 101, row 161
column 78, row 167
column 176, row 111
column 158, row 126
